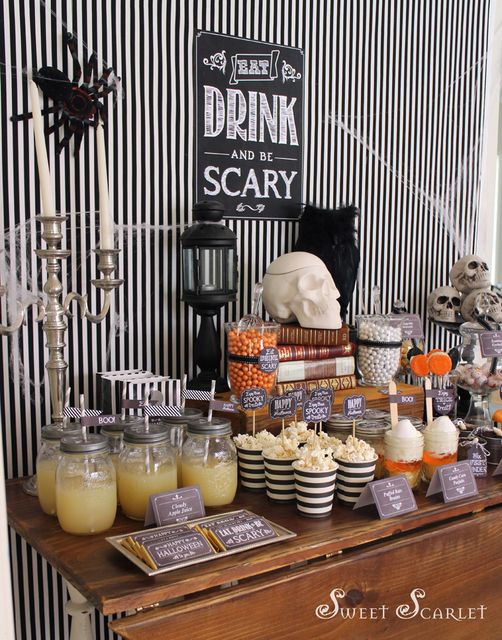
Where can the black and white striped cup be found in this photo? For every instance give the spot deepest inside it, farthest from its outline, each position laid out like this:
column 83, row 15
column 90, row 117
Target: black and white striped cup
column 251, row 469
column 351, row 478
column 279, row 478
column 314, row 491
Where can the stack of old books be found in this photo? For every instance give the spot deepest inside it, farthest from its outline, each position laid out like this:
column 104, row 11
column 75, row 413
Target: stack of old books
column 315, row 358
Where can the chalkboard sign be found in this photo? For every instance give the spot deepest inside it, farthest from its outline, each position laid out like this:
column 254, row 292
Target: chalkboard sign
column 249, row 100
column 224, row 405
column 443, row 400
column 282, row 406
column 179, row 549
column 170, row 507
column 316, row 410
column 490, row 343
column 402, row 399
column 455, row 481
column 411, row 325
column 354, row 407
column 268, row 359
column 391, row 496
column 238, row 532
column 299, row 395
column 478, row 460
column 252, row 399
column 322, row 394
column 98, row 421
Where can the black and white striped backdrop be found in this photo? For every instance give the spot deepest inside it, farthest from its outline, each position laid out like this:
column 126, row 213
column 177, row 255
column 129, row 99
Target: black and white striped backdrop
column 393, row 123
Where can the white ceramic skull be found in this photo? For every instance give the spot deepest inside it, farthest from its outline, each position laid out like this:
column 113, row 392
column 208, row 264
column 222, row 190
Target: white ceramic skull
column 443, row 304
column 298, row 286
column 487, row 302
column 469, row 273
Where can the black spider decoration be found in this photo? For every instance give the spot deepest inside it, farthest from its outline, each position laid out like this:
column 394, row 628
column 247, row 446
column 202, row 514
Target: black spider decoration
column 77, row 106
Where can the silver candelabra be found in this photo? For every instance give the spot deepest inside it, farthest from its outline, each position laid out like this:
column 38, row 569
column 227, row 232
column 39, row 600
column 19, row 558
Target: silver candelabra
column 54, row 313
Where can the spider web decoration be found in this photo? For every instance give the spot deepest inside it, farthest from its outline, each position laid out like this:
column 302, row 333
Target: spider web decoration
column 76, row 106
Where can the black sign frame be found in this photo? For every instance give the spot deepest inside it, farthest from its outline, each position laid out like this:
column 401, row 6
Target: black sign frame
column 236, row 75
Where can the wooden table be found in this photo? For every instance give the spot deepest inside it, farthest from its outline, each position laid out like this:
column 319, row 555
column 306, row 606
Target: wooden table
column 451, row 551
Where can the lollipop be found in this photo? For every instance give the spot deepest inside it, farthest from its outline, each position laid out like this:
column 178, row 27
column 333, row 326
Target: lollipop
column 439, row 363
column 419, row 365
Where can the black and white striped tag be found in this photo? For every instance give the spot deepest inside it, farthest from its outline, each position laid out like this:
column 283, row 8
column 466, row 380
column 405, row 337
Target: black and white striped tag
column 161, row 410
column 195, row 394
column 76, row 412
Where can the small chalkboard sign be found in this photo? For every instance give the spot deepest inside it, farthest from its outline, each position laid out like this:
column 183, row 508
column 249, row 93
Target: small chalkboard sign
column 299, row 395
column 179, row 549
column 322, row 394
column 268, row 359
column 490, row 343
column 223, row 405
column 443, row 400
column 454, row 481
column 179, row 505
column 316, row 410
column 242, row 531
column 478, row 460
column 98, row 421
column 391, row 496
column 282, row 406
column 411, row 325
column 354, row 407
column 254, row 398
column 401, row 398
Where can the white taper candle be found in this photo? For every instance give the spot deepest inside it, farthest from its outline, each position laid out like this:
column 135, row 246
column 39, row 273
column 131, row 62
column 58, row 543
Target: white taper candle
column 105, row 219
column 42, row 161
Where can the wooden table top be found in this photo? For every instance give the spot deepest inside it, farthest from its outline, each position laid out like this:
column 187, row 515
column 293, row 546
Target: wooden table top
column 113, row 584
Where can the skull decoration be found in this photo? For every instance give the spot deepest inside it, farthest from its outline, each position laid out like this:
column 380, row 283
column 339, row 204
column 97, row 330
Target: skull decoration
column 486, row 301
column 298, row 286
column 469, row 273
column 443, row 305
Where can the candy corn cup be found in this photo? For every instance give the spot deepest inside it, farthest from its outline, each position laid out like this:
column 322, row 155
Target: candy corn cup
column 314, row 491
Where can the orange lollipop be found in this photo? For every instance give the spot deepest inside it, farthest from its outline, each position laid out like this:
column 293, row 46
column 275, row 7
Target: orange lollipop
column 419, row 365
column 439, row 363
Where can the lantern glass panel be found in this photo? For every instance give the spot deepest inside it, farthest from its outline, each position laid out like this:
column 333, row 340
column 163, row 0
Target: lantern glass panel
column 232, row 270
column 189, row 270
column 211, row 270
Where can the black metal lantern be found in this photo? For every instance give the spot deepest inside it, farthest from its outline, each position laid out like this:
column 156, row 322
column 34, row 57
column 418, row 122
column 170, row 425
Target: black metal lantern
column 209, row 251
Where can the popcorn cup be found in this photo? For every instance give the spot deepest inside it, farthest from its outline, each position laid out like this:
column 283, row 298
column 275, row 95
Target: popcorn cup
column 280, row 479
column 251, row 469
column 314, row 491
column 351, row 478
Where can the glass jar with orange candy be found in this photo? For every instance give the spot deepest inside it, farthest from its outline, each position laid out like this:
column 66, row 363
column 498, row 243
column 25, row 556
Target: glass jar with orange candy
column 252, row 357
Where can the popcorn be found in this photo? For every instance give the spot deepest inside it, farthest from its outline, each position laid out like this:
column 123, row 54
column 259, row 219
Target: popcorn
column 300, row 430
column 355, row 450
column 284, row 448
column 259, row 441
column 315, row 458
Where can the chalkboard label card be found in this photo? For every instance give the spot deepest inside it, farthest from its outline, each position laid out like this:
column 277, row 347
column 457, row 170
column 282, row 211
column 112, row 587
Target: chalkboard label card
column 241, row 531
column 281, row 407
column 178, row 549
column 175, row 506
column 322, row 394
column 477, row 458
column 299, row 395
column 391, row 496
column 490, row 343
column 454, row 481
column 354, row 407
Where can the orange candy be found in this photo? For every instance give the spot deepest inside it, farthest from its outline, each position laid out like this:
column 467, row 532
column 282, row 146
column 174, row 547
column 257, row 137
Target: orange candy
column 439, row 362
column 244, row 375
column 419, row 364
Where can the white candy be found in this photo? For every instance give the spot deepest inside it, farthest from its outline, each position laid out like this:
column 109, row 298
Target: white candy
column 378, row 365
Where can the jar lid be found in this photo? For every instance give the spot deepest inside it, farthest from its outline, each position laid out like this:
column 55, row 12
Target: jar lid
column 56, row 431
column 371, row 428
column 93, row 443
column 338, row 420
column 137, row 434
column 187, row 415
column 217, row 427
column 376, row 415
